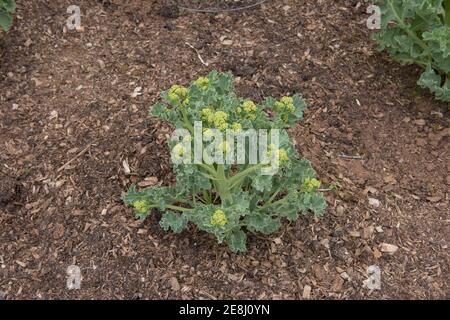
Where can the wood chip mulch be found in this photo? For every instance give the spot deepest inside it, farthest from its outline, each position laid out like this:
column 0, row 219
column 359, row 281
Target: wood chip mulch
column 69, row 121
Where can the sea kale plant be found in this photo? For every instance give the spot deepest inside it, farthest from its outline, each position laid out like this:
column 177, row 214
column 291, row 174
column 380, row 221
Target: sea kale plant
column 254, row 192
column 418, row 32
column 7, row 8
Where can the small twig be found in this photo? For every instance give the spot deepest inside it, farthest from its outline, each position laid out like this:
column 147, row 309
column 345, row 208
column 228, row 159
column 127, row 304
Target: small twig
column 198, row 54
column 71, row 160
column 341, row 155
column 208, row 294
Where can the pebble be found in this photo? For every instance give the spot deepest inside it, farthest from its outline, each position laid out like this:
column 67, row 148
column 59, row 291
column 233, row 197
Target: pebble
column 306, row 292
column 374, row 202
column 388, row 248
column 174, row 284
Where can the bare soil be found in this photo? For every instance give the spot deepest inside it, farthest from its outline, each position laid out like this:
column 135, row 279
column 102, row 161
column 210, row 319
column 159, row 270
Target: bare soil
column 68, row 121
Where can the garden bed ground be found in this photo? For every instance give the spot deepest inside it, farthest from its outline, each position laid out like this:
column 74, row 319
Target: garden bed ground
column 68, row 121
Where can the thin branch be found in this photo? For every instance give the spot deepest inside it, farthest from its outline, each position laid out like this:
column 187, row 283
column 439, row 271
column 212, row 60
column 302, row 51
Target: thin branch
column 350, row 157
column 198, row 54
column 73, row 159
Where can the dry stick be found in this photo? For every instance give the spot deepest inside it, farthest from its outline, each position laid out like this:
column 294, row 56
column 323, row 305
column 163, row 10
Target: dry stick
column 198, row 54
column 208, row 295
column 78, row 155
column 350, row 157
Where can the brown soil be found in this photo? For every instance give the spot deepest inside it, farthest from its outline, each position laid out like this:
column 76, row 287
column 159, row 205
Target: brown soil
column 68, row 122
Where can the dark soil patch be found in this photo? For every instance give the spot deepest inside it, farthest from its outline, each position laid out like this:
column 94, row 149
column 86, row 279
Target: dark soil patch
column 68, row 122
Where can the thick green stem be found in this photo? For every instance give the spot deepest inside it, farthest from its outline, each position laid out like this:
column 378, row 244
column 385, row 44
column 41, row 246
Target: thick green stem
column 447, row 12
column 273, row 204
column 274, row 195
column 222, row 183
column 209, row 168
column 243, row 174
column 186, row 121
column 172, row 207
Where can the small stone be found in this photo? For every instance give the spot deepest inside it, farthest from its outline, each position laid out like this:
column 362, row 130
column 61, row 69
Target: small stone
column 374, row 202
column 28, row 43
column 101, row 63
column 306, row 292
column 15, row 106
column 136, row 92
column 340, row 210
column 379, row 229
column 79, row 29
column 126, row 167
column 345, row 276
column 420, row 122
column 53, row 114
column 278, row 241
column 388, row 248
column 355, row 234
column 174, row 284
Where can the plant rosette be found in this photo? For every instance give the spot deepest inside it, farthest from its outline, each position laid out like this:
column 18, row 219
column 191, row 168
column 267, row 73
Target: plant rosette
column 418, row 32
column 230, row 199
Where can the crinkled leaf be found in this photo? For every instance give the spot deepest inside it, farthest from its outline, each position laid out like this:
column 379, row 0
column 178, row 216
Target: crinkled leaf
column 237, row 241
column 262, row 222
column 5, row 20
column 8, row 5
column 174, row 221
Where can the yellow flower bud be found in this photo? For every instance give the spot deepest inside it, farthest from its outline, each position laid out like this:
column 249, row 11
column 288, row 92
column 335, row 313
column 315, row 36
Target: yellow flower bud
column 281, row 153
column 219, row 219
column 310, row 184
column 220, row 120
column 287, row 100
column 207, row 114
column 202, row 83
column 249, row 106
column 286, row 104
column 140, row 206
column 177, row 94
column 236, row 126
